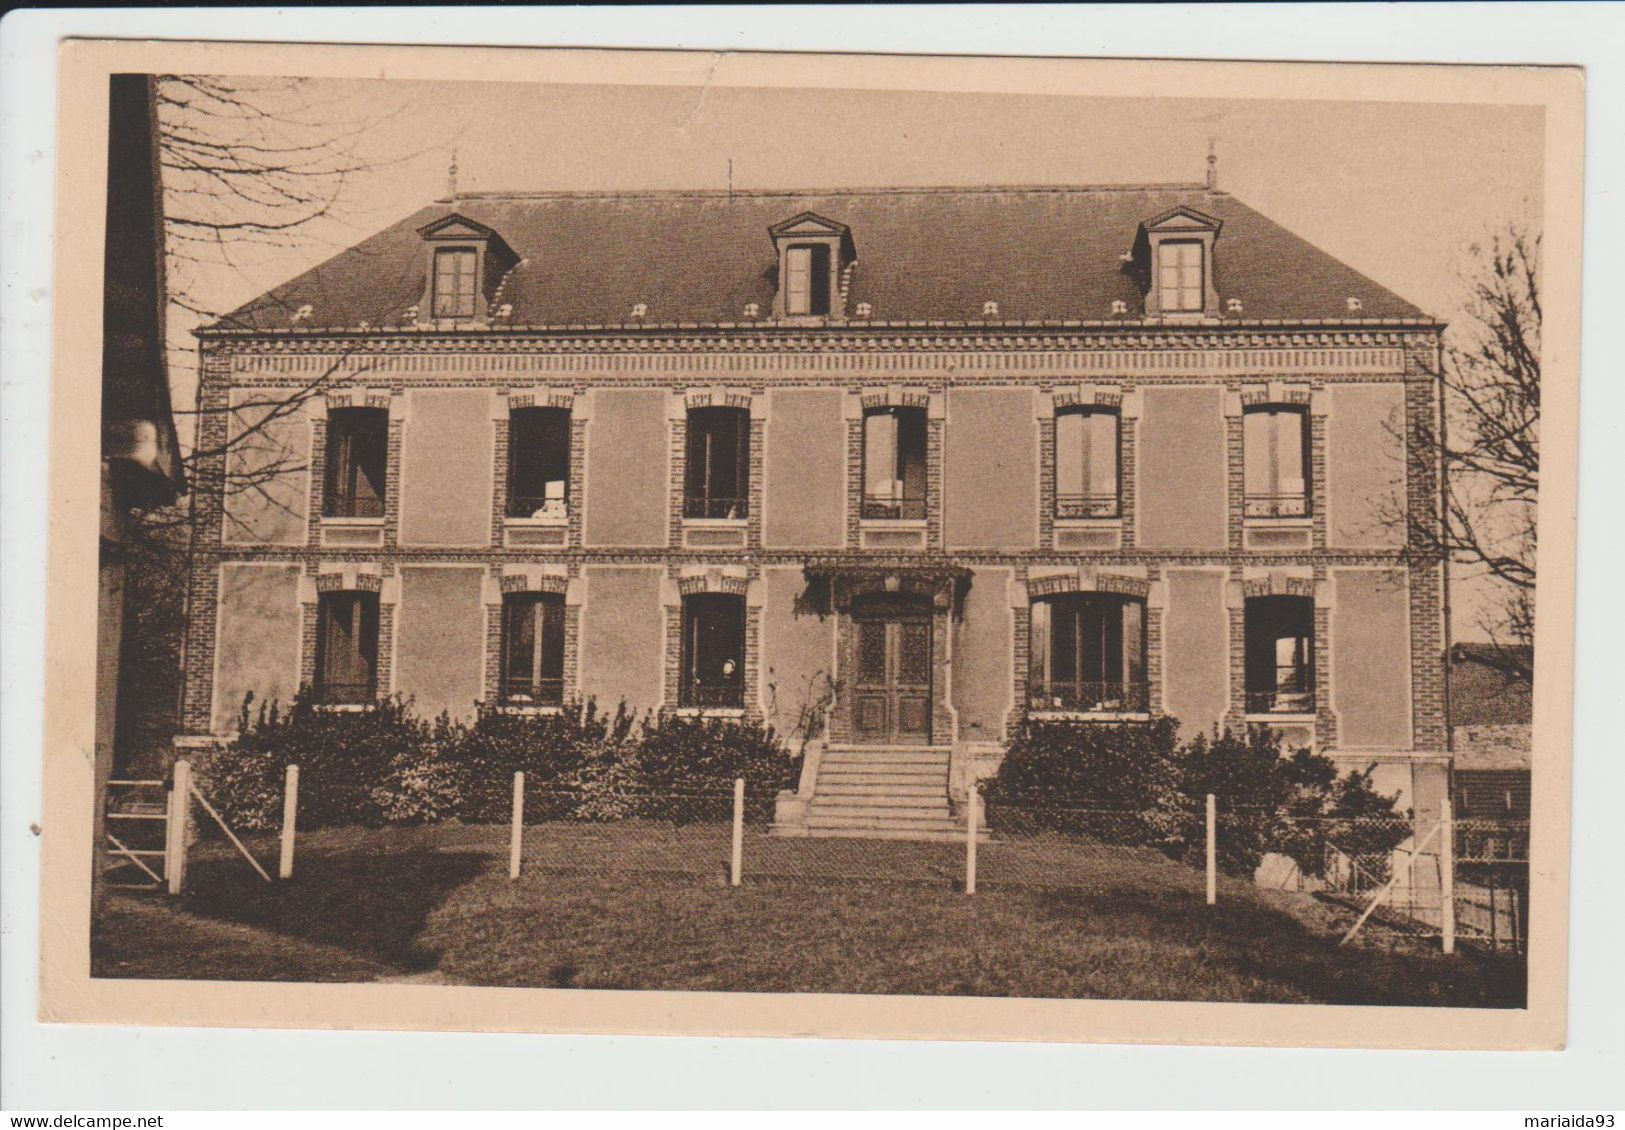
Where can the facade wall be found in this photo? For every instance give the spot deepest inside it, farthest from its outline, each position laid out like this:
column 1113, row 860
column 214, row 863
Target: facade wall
column 1182, row 526
column 259, row 638
column 440, row 639
column 1182, row 469
column 628, row 452
column 804, row 469
column 797, row 649
column 1365, row 466
column 623, row 637
column 1195, row 648
column 990, row 484
column 445, row 468
column 267, row 482
column 982, row 669
column 1370, row 674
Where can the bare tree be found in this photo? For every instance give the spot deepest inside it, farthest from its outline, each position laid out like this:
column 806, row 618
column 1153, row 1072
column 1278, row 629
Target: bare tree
column 1489, row 445
column 250, row 167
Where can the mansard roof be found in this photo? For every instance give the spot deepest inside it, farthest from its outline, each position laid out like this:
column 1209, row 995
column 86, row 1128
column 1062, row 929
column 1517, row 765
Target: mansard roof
column 923, row 255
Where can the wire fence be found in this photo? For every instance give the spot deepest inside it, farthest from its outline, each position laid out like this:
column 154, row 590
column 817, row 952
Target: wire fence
column 1418, row 877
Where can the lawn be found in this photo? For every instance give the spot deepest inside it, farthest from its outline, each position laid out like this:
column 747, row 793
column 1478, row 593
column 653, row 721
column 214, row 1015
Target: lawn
column 631, row 906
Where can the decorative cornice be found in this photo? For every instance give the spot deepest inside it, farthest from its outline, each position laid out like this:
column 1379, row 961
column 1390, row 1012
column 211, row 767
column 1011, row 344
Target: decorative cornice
column 954, row 335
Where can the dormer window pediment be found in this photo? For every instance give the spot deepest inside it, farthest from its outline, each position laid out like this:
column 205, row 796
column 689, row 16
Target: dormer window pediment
column 454, row 226
column 815, row 255
column 466, row 262
column 1183, row 219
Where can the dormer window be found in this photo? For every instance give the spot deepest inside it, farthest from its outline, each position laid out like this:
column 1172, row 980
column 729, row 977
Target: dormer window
column 813, row 253
column 454, row 282
column 806, row 281
column 467, row 262
column 1179, row 276
column 1173, row 263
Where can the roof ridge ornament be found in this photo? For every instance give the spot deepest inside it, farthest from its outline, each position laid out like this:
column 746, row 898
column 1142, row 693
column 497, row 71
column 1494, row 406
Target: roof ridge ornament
column 451, row 176
column 1212, row 164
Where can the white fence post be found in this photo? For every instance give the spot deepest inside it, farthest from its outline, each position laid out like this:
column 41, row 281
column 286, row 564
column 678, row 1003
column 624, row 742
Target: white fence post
column 971, row 797
column 1212, row 850
column 516, row 836
column 737, row 862
column 180, row 811
column 1447, row 877
column 290, row 820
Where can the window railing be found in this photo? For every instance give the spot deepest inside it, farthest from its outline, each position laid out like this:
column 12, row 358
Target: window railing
column 524, row 691
column 344, row 694
column 728, row 697
column 353, row 506
column 1276, row 506
column 701, row 506
column 1092, row 697
column 886, row 506
column 1281, row 702
column 1086, row 505
column 537, row 506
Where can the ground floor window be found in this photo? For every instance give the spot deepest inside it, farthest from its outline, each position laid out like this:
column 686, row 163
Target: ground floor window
column 1088, row 654
column 1280, row 647
column 713, row 658
column 533, row 649
column 347, row 648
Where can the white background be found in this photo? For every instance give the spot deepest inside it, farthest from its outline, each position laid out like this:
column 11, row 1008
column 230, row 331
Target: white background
column 66, row 1068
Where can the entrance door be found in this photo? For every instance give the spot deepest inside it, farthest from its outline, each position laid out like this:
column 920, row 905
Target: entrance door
column 892, row 691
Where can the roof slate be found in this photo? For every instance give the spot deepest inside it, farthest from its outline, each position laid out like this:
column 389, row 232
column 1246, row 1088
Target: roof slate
column 922, row 255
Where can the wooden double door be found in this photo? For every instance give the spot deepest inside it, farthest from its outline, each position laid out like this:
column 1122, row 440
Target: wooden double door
column 891, row 687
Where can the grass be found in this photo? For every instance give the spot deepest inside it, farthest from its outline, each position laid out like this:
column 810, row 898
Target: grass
column 631, row 906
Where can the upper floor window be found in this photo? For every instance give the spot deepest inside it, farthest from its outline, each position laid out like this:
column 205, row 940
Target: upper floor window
column 1087, row 447
column 347, row 648
column 717, row 475
column 713, row 652
column 894, row 441
column 454, row 282
column 357, row 459
column 1280, row 654
column 1088, row 654
column 806, row 284
column 538, row 462
column 1179, row 276
column 532, row 649
column 1275, row 441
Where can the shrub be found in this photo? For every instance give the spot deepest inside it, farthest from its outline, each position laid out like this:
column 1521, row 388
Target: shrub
column 1118, row 782
column 556, row 751
column 376, row 766
column 1135, row 783
column 703, row 755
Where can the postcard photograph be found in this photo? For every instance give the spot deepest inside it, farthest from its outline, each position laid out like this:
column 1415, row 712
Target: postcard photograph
column 600, row 542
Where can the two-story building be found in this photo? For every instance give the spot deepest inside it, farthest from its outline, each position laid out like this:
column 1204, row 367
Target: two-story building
column 911, row 463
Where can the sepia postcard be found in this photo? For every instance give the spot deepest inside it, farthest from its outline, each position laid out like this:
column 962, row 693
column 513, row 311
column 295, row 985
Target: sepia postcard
column 854, row 546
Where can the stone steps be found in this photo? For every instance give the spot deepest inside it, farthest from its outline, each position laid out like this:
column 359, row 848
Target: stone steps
column 953, row 834
column 879, row 809
column 882, row 792
column 900, row 787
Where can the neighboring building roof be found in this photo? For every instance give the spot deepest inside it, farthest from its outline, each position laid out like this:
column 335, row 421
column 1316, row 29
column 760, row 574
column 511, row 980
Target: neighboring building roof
column 1482, row 691
column 1494, row 748
column 1490, row 708
column 923, row 255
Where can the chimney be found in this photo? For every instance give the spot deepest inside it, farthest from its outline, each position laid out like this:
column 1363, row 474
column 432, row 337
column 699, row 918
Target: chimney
column 1212, row 166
